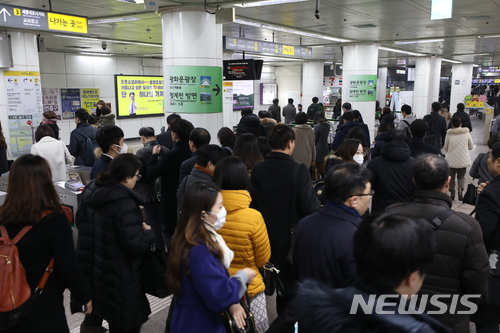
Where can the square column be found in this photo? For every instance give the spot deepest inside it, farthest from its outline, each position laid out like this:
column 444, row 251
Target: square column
column 426, row 91
column 312, row 82
column 381, row 85
column 461, row 82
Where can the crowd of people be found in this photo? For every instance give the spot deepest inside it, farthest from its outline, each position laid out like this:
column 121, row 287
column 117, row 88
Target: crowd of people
column 221, row 212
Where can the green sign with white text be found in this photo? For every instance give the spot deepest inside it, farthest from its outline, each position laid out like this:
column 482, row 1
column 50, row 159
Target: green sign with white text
column 193, row 89
column 361, row 88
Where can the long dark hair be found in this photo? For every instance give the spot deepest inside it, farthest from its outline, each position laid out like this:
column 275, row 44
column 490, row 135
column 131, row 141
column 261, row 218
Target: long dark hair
column 246, row 148
column 231, row 174
column 30, row 192
column 121, row 167
column 3, row 143
column 191, row 231
column 348, row 149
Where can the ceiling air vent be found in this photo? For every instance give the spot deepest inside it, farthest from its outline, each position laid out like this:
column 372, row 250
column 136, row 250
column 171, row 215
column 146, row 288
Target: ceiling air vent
column 474, row 18
column 78, row 47
column 364, row 26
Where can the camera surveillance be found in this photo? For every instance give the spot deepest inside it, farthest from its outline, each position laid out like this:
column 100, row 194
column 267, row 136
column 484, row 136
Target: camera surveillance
column 104, row 45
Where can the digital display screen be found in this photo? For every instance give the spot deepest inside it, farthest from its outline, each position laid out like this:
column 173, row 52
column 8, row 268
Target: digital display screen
column 139, row 96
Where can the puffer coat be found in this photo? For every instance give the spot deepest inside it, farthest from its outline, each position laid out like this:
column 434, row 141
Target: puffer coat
column 111, row 245
column 245, row 234
column 457, row 144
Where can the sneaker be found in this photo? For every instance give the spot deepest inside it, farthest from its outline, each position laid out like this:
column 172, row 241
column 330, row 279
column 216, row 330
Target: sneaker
column 92, row 329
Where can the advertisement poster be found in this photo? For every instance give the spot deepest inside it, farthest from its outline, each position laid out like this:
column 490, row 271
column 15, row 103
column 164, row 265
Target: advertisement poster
column 51, row 100
column 89, row 98
column 228, row 91
column 268, row 92
column 361, row 88
column 193, row 89
column 22, row 133
column 139, row 96
column 70, row 101
column 243, row 95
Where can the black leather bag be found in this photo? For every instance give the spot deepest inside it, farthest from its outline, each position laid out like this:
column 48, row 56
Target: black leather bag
column 154, row 273
column 470, row 196
column 271, row 277
column 230, row 324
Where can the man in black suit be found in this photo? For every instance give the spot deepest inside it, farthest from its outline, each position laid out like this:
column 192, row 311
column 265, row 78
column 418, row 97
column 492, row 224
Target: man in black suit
column 437, row 126
column 282, row 192
column 165, row 139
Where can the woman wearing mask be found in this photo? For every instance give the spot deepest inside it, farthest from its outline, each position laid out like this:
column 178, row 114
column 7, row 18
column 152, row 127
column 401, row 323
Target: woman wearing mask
column 245, row 232
column 33, row 201
column 198, row 263
column 349, row 151
column 53, row 150
column 112, row 240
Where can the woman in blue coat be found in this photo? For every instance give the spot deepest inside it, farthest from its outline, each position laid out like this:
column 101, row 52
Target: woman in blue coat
column 199, row 259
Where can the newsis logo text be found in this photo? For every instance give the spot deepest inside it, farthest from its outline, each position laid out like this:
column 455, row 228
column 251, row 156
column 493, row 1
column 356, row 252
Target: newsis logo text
column 417, row 304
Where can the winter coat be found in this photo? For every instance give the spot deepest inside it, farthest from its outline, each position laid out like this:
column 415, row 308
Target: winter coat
column 392, row 175
column 289, row 112
column 165, row 139
column 283, row 194
column 245, row 234
column 344, row 129
column 206, row 292
column 196, row 176
column 479, row 168
column 321, row 131
column 437, row 128
column 379, row 144
column 250, row 124
column 323, row 309
column 107, row 119
column 275, row 111
column 51, row 237
column 465, row 120
column 111, row 245
column 403, row 123
column 419, row 147
column 323, row 246
column 332, row 161
column 305, row 148
column 56, row 153
column 312, row 109
column 460, row 264
column 102, row 164
column 78, row 141
column 457, row 145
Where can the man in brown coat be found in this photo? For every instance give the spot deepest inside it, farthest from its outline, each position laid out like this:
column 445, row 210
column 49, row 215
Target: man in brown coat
column 460, row 265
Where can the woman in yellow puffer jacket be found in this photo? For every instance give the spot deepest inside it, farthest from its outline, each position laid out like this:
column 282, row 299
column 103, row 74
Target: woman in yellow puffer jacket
column 244, row 232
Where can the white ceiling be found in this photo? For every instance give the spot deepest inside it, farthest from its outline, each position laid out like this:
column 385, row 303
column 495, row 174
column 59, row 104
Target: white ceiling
column 394, row 20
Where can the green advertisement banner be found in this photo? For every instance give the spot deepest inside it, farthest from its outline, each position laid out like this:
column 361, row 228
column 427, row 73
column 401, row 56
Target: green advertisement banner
column 361, row 88
column 193, row 89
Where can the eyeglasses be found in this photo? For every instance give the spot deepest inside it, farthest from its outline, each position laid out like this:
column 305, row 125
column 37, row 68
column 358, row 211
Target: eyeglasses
column 138, row 176
column 372, row 192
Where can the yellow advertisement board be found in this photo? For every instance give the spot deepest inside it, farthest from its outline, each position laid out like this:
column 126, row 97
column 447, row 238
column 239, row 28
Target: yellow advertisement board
column 139, row 96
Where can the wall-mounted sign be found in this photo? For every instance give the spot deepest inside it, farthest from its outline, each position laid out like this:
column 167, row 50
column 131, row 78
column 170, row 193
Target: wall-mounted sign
column 485, row 81
column 268, row 92
column 243, row 95
column 193, row 89
column 246, row 69
column 242, row 44
column 37, row 19
column 361, row 88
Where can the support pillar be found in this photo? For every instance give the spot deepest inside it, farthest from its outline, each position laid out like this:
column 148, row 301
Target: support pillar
column 360, row 60
column 461, row 83
column 381, row 85
column 312, row 83
column 426, row 91
column 192, row 38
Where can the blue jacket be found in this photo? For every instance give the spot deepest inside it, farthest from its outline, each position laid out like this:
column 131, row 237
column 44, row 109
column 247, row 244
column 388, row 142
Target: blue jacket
column 344, row 129
column 102, row 164
column 206, row 293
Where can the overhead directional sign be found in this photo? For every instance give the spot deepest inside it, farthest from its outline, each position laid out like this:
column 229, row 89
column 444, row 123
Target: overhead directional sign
column 242, row 44
column 37, row 19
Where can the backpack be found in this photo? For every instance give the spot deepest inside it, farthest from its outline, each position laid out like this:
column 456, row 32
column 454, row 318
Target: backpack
column 88, row 155
column 155, row 184
column 407, row 131
column 16, row 298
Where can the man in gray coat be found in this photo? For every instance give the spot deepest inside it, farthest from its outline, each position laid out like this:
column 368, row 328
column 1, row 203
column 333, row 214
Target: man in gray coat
column 460, row 265
column 289, row 112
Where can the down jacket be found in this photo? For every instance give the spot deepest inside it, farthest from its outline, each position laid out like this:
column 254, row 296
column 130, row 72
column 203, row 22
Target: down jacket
column 457, row 144
column 110, row 248
column 305, row 148
column 460, row 265
column 245, row 234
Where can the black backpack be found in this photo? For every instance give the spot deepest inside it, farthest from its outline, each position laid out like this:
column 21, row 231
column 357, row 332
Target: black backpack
column 88, row 155
column 407, row 131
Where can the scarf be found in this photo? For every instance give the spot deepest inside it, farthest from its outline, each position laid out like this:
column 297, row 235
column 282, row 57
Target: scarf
column 227, row 253
column 204, row 169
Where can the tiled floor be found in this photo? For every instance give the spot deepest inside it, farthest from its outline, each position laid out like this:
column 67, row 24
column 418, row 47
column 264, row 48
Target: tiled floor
column 159, row 307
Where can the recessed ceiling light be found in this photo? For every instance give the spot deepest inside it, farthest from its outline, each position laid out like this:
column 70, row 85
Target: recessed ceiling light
column 418, row 41
column 478, row 17
column 113, row 20
column 364, row 26
column 265, row 3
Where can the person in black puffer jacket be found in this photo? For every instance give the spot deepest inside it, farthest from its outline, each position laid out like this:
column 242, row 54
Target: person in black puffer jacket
column 392, row 172
column 112, row 240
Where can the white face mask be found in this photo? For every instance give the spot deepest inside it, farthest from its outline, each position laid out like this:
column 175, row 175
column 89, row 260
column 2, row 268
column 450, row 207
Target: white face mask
column 123, row 149
column 221, row 218
column 358, row 159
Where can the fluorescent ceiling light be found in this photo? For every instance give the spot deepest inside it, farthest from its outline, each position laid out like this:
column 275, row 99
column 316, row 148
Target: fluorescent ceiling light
column 419, row 41
column 452, row 61
column 113, row 41
column 113, row 20
column 491, row 36
column 390, row 49
column 266, row 3
column 274, row 57
column 132, row 1
column 289, row 30
column 474, row 65
column 97, row 54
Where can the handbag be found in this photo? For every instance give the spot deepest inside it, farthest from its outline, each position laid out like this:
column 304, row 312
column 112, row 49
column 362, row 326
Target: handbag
column 470, row 196
column 313, row 169
column 272, row 281
column 154, row 272
column 230, row 324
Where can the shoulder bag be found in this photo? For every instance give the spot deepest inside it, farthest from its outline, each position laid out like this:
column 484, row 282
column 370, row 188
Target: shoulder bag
column 230, row 324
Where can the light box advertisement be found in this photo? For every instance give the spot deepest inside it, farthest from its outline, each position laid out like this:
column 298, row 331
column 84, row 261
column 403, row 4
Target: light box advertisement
column 243, row 95
column 139, row 96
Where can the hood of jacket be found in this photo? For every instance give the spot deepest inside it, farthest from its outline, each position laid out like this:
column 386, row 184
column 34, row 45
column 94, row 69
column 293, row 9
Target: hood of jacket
column 396, row 151
column 457, row 131
column 250, row 120
column 236, row 199
column 347, row 126
column 109, row 116
column 100, row 196
column 268, row 121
